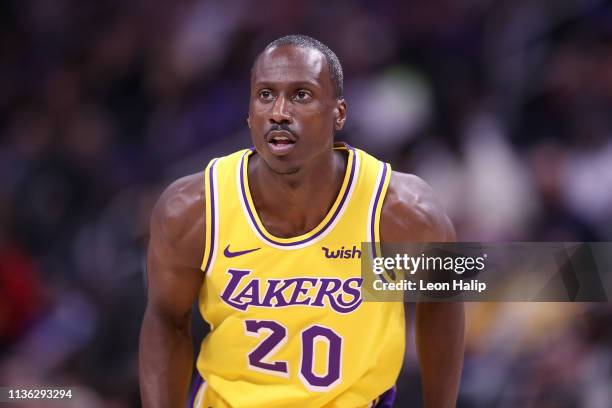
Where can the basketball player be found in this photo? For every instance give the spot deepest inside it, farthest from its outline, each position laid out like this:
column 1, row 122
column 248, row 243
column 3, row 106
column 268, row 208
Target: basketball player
column 268, row 239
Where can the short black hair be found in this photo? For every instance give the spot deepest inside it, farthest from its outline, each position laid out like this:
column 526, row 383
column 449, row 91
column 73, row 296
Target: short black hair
column 304, row 41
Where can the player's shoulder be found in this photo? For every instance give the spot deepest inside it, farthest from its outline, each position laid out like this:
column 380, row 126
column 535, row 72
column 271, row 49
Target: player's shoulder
column 180, row 208
column 412, row 212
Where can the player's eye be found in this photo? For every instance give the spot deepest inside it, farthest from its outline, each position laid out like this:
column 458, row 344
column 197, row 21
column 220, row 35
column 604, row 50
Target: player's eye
column 265, row 94
column 302, row 95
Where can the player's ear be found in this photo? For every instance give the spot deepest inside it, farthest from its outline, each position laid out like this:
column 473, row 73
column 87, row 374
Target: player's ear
column 249, row 121
column 340, row 112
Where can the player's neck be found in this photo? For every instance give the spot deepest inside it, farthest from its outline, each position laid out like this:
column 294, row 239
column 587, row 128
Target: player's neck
column 293, row 204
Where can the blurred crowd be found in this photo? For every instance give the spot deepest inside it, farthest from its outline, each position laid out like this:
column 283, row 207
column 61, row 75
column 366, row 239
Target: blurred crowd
column 504, row 107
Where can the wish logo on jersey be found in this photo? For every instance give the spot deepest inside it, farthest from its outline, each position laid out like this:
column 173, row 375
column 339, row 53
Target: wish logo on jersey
column 342, row 253
column 342, row 295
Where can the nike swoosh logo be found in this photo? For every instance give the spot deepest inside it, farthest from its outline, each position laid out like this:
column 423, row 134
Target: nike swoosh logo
column 230, row 254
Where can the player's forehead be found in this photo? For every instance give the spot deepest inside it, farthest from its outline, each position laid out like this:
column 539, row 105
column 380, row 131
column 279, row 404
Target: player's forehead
column 291, row 64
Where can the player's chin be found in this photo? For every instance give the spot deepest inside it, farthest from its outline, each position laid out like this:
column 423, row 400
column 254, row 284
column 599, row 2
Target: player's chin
column 282, row 165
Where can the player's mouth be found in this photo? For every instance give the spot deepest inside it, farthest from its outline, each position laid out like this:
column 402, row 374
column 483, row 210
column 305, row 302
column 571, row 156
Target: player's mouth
column 281, row 142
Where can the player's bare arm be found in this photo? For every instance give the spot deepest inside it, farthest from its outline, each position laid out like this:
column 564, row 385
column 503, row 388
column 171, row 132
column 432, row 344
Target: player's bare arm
column 174, row 278
column 411, row 213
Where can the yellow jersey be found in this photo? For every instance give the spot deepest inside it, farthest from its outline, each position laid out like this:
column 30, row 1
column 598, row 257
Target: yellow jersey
column 289, row 327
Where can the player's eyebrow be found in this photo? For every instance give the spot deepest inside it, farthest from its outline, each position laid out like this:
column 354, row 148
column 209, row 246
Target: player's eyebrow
column 292, row 84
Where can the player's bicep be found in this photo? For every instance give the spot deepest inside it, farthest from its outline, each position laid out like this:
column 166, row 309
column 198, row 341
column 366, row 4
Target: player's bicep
column 171, row 287
column 175, row 252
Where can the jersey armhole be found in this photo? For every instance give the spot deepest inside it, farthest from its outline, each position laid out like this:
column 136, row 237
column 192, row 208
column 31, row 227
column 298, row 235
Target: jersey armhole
column 378, row 196
column 212, row 216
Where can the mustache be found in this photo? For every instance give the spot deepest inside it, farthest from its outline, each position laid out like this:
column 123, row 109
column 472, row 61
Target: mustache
column 277, row 127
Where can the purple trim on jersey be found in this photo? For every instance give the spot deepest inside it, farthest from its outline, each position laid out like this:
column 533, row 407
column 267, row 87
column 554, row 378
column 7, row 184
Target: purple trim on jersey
column 305, row 240
column 387, row 398
column 373, row 215
column 195, row 387
column 211, row 197
column 376, row 199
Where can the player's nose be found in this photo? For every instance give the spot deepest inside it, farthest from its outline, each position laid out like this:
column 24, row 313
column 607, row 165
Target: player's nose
column 281, row 111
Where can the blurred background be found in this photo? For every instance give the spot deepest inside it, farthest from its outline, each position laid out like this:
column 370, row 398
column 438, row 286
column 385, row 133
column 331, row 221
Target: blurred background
column 504, row 107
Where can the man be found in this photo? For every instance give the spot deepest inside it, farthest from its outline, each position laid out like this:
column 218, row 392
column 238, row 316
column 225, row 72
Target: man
column 268, row 239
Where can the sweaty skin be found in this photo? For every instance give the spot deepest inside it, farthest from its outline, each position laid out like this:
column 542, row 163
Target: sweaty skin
column 174, row 279
column 292, row 192
column 411, row 213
